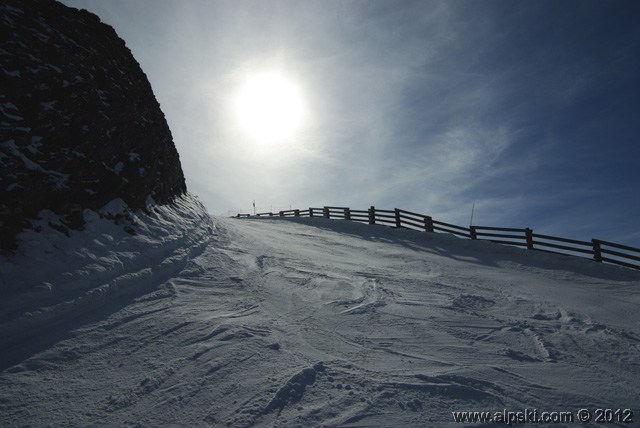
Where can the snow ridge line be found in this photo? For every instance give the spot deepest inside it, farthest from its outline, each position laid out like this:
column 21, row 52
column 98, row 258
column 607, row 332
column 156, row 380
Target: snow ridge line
column 596, row 249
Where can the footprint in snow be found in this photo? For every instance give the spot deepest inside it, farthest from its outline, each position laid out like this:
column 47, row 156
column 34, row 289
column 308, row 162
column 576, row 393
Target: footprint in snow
column 470, row 301
column 293, row 390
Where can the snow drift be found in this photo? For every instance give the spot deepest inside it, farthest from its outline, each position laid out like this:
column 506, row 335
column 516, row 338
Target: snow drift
column 60, row 273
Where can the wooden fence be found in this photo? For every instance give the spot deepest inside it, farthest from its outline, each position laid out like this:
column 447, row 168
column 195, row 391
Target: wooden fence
column 598, row 250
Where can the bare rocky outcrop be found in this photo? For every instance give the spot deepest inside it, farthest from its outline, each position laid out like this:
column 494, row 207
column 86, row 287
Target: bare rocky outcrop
column 79, row 123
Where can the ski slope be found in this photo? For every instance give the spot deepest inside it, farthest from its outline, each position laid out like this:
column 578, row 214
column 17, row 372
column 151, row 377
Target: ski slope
column 308, row 322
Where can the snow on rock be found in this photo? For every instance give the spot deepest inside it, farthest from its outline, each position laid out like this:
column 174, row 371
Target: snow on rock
column 312, row 322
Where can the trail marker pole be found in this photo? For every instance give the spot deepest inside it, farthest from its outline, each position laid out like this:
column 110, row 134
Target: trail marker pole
column 472, row 209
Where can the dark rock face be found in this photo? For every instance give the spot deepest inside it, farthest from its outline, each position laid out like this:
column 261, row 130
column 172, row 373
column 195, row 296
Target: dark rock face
column 79, row 124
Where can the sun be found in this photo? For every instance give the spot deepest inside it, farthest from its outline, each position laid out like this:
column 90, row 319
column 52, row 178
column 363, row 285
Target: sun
column 269, row 106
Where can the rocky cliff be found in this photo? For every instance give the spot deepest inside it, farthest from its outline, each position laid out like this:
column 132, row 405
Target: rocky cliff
column 79, row 124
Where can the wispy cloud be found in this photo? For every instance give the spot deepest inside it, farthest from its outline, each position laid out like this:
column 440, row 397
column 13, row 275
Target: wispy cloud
column 526, row 109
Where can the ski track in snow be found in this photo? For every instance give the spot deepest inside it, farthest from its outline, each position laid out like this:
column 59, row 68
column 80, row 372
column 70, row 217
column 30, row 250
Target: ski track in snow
column 309, row 322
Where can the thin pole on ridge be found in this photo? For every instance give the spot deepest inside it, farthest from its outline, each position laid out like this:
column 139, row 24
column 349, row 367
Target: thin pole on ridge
column 472, row 209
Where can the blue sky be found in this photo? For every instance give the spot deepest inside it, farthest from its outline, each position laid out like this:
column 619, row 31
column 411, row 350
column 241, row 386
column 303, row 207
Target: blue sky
column 528, row 109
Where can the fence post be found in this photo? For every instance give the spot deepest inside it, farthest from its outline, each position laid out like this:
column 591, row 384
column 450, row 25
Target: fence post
column 325, row 210
column 347, row 214
column 472, row 230
column 597, row 250
column 310, row 212
column 428, row 224
column 397, row 213
column 281, row 214
column 529, row 236
column 372, row 215
column 296, row 213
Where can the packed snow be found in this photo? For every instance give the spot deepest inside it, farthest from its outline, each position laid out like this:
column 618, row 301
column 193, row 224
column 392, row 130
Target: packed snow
column 172, row 317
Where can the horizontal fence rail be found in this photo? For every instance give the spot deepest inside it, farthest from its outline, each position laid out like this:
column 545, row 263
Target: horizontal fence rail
column 597, row 249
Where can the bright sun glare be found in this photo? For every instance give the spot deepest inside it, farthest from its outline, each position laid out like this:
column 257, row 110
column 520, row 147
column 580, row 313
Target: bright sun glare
column 269, row 107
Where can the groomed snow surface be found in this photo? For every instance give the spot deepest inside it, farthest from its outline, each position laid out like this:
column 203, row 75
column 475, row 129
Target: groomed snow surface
column 175, row 318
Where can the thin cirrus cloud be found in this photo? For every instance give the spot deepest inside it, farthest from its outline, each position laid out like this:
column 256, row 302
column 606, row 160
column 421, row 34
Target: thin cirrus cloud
column 525, row 109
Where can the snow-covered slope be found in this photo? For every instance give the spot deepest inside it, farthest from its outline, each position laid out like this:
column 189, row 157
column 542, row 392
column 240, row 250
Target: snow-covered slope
column 310, row 322
column 54, row 277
